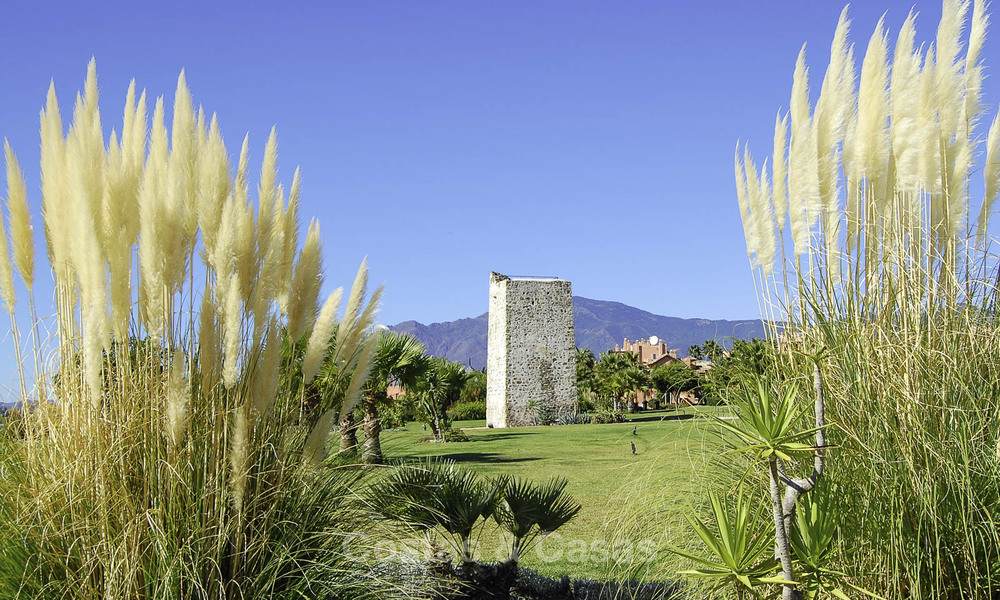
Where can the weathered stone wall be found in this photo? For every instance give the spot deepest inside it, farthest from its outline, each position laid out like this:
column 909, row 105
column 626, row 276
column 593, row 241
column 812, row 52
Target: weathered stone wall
column 531, row 359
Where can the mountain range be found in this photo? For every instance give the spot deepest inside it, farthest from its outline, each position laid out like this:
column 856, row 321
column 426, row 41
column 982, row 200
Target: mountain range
column 599, row 325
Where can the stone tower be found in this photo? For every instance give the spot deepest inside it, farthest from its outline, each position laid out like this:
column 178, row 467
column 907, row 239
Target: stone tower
column 531, row 359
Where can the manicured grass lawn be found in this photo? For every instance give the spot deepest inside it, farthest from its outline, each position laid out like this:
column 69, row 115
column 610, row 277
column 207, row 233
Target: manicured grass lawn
column 633, row 505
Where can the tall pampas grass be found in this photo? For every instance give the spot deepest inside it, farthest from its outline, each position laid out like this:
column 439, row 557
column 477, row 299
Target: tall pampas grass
column 908, row 327
column 169, row 450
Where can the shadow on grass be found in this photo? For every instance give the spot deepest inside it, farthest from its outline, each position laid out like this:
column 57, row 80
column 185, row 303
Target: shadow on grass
column 499, row 436
column 656, row 418
column 478, row 457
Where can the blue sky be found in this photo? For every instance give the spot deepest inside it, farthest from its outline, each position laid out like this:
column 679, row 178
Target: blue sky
column 596, row 138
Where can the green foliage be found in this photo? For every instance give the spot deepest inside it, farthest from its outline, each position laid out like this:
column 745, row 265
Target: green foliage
column 767, row 429
column 604, row 417
column 740, row 546
column 474, row 389
column 812, row 539
column 741, row 366
column 528, row 511
column 673, row 377
column 437, row 496
column 618, row 375
column 400, row 412
column 468, row 411
column 437, row 390
column 710, row 350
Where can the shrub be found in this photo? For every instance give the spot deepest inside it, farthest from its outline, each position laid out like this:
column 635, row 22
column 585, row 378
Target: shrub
column 176, row 447
column 604, row 417
column 399, row 412
column 884, row 260
column 468, row 411
column 441, row 501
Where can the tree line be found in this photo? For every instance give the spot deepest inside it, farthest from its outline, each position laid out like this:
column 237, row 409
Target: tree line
column 611, row 381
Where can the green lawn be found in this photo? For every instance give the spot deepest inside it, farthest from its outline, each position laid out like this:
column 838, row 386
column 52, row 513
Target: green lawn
column 633, row 505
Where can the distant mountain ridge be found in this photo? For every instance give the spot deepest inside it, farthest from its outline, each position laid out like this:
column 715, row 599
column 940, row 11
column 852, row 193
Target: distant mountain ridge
column 599, row 325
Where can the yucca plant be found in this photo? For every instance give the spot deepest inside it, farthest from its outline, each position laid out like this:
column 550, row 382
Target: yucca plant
column 741, row 548
column 168, row 451
column 773, row 433
column 868, row 238
column 812, row 539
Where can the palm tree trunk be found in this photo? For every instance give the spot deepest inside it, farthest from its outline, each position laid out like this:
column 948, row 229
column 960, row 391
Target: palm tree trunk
column 371, row 454
column 348, row 435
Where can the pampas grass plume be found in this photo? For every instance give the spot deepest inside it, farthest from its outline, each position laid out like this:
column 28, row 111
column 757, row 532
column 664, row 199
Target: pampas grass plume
column 213, row 180
column 803, row 170
column 872, row 138
column 904, row 97
column 152, row 238
column 22, row 235
column 306, row 282
column 780, row 170
column 178, row 401
column 319, row 339
column 238, row 457
column 314, row 450
column 743, row 197
column 6, row 270
column 991, row 172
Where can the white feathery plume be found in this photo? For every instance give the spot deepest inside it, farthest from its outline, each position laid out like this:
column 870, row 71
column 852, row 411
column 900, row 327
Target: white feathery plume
column 265, row 376
column 269, row 173
column 184, row 164
column 22, row 235
column 780, row 170
column 359, row 374
column 208, row 343
column 360, row 327
column 314, row 450
column 319, row 339
column 904, row 96
column 872, row 136
column 355, row 321
column 949, row 80
column 930, row 129
column 180, row 211
column 960, row 163
column 973, row 70
column 6, row 270
column 120, row 212
column 753, row 206
column 53, row 195
column 830, row 114
column 247, row 259
column 306, row 282
column 270, row 237
column 763, row 218
column 86, row 162
column 991, row 172
column 743, row 197
column 289, row 222
column 152, row 237
column 238, row 457
column 178, row 401
column 213, row 180
column 803, row 170
column 229, row 290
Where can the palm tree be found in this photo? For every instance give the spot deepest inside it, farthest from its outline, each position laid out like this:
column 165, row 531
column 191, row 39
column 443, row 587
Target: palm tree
column 438, row 389
column 619, row 374
column 398, row 358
